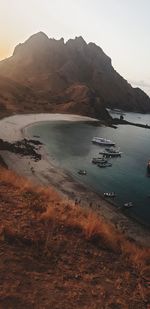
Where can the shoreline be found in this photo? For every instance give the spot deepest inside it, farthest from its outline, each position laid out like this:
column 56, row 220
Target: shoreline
column 18, row 122
column 46, row 173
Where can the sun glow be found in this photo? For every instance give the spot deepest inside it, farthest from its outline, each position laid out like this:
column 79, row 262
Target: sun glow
column 4, row 52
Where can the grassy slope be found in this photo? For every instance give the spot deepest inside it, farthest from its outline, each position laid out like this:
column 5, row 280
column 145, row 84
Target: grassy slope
column 54, row 254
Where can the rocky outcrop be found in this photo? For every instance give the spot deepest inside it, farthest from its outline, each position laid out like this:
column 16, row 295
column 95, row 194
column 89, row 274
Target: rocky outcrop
column 24, row 147
column 73, row 77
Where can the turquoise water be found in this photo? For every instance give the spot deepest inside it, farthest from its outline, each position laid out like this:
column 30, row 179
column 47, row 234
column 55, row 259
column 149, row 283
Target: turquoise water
column 69, row 144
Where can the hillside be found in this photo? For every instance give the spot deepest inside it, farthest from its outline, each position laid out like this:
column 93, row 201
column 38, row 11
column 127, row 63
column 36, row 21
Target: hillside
column 49, row 75
column 55, row 254
column 14, row 97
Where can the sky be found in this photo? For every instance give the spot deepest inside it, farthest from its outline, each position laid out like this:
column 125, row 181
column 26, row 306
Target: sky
column 120, row 27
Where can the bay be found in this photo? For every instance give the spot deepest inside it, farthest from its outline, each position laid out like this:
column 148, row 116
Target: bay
column 69, row 145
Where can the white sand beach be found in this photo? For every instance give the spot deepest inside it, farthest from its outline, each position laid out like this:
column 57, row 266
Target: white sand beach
column 11, row 127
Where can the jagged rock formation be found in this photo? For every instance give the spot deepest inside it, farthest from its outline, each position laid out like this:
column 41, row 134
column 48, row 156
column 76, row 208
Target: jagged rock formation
column 49, row 75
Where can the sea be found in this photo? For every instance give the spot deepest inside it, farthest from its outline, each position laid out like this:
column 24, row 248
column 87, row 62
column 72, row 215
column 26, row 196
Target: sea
column 69, row 145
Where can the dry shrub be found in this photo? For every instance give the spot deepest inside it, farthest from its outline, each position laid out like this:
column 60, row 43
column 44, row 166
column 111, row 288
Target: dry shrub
column 142, row 291
column 106, row 232
column 137, row 255
column 22, row 185
column 87, row 221
column 91, row 225
column 9, row 233
column 13, row 179
column 48, row 215
column 49, row 193
column 71, row 212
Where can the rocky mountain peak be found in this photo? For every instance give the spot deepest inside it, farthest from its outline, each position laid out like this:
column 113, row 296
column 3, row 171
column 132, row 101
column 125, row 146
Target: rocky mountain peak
column 38, row 36
column 77, row 43
column 36, row 41
column 72, row 76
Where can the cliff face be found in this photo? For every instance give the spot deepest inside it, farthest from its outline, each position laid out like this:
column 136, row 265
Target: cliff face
column 71, row 77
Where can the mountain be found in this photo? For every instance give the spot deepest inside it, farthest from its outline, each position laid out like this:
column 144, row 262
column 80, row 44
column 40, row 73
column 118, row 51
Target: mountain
column 49, row 75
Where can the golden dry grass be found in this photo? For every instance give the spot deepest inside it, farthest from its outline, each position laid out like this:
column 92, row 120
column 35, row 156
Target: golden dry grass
column 47, row 238
column 54, row 208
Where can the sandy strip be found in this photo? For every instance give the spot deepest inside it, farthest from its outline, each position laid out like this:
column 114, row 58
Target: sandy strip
column 11, row 127
column 46, row 172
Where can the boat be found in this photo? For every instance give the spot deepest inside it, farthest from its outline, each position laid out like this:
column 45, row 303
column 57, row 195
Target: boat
column 148, row 167
column 102, row 165
column 110, row 194
column 82, row 172
column 111, row 152
column 128, row 205
column 99, row 160
column 102, row 141
column 108, row 164
column 116, row 111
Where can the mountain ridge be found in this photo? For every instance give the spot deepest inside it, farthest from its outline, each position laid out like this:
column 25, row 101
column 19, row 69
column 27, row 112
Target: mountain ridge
column 52, row 68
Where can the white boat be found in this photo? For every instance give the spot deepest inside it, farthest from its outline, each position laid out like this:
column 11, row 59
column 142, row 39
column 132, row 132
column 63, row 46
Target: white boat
column 102, row 141
column 128, row 205
column 110, row 194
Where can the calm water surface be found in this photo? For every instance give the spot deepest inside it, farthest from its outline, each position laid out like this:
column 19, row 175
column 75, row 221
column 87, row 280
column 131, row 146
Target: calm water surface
column 69, row 144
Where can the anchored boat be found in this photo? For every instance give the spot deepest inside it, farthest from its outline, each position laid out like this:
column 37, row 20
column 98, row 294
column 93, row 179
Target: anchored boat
column 148, row 167
column 128, row 205
column 99, row 160
column 108, row 164
column 82, row 172
column 102, row 141
column 111, row 152
column 110, row 194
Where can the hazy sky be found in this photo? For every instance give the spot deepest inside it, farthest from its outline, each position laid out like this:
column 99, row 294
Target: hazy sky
column 120, row 27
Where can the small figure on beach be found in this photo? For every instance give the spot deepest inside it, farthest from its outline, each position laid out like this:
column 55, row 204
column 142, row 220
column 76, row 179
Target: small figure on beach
column 32, row 170
column 76, row 201
column 90, row 204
